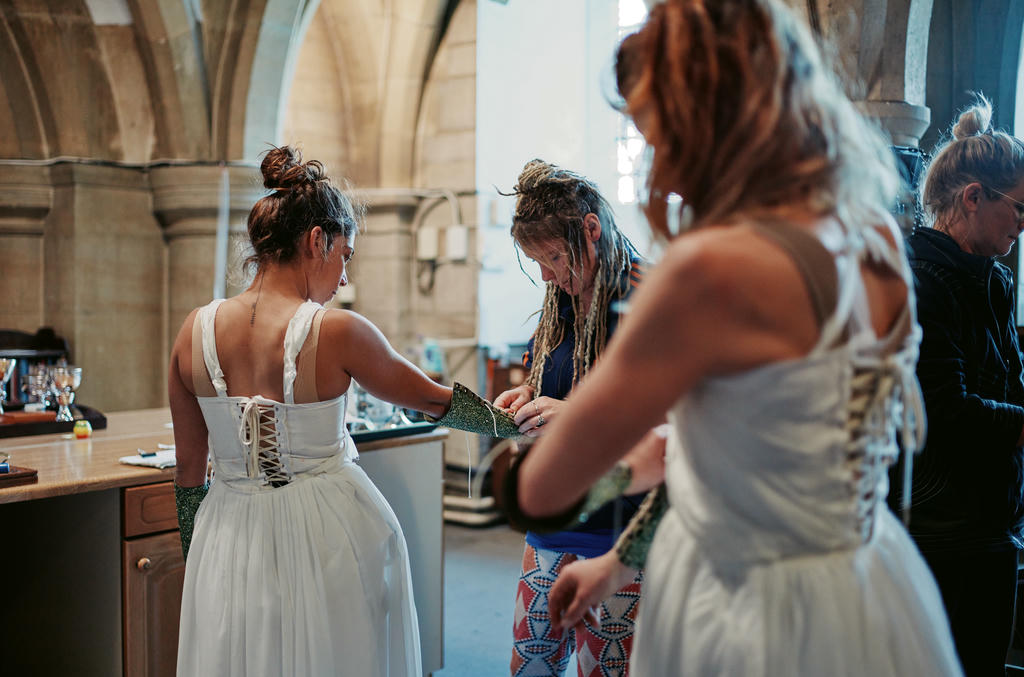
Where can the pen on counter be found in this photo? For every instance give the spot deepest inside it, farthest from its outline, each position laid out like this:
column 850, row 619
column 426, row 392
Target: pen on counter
column 146, row 454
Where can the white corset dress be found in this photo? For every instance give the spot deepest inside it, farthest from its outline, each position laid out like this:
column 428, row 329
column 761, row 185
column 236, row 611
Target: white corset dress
column 297, row 566
column 778, row 555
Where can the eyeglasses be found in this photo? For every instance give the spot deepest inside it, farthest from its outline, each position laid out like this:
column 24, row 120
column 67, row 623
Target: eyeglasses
column 1018, row 206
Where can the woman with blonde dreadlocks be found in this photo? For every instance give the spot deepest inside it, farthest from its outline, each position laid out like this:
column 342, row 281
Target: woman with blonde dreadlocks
column 563, row 223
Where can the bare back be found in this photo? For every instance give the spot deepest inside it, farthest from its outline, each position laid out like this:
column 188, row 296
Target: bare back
column 253, row 356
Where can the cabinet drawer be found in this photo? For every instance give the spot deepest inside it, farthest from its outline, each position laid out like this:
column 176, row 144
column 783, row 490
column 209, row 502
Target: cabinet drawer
column 148, row 509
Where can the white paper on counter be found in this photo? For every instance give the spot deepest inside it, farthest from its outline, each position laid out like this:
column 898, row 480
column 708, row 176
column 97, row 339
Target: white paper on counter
column 162, row 459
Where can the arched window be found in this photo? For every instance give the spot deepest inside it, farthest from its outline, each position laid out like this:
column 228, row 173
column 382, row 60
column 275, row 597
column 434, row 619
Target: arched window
column 629, row 144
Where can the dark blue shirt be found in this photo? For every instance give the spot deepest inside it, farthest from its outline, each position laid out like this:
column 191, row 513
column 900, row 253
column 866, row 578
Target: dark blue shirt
column 598, row 534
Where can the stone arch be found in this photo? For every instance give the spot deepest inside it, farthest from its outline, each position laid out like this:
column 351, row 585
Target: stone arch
column 43, row 41
column 23, row 111
column 382, row 53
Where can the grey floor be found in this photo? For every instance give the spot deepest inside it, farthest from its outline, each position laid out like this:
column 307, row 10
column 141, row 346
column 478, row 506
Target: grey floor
column 481, row 572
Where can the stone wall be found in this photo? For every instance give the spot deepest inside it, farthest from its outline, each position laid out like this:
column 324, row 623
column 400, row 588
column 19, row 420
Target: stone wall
column 117, row 129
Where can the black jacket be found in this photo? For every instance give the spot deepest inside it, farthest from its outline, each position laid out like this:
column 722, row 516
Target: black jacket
column 967, row 487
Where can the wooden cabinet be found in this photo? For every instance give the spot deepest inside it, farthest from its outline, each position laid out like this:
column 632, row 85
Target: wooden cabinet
column 152, row 571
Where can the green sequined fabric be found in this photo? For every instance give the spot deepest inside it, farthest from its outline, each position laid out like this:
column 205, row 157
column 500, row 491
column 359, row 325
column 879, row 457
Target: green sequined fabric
column 635, row 541
column 468, row 411
column 187, row 500
column 608, row 487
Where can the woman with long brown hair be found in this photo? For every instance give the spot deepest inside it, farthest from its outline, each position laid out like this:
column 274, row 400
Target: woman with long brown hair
column 777, row 334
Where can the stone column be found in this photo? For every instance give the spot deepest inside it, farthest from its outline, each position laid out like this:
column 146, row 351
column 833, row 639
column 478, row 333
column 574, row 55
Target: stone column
column 186, row 201
column 382, row 266
column 103, row 281
column 882, row 46
column 25, row 199
column 905, row 122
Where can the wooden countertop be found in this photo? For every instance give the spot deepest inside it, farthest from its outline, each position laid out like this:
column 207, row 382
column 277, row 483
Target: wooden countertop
column 70, row 466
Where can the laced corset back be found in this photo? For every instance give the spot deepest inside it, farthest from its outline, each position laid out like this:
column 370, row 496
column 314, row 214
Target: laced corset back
column 791, row 458
column 884, row 396
column 260, row 428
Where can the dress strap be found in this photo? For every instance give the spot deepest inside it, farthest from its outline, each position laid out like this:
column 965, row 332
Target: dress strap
column 815, row 263
column 305, row 379
column 202, row 386
column 207, row 317
column 294, row 338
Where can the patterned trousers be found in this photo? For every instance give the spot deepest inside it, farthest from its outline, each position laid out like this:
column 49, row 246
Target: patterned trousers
column 542, row 650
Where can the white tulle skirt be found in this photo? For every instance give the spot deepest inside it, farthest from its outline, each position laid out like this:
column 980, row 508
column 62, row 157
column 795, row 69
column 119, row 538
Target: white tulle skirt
column 307, row 579
column 871, row 611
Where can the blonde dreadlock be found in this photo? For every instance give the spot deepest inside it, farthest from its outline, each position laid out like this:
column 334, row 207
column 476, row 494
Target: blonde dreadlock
column 551, row 204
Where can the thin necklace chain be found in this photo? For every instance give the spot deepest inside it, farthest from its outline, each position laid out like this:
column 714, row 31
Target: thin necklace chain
column 252, row 317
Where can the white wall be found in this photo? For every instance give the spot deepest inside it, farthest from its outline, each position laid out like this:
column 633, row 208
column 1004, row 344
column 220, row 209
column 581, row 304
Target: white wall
column 543, row 77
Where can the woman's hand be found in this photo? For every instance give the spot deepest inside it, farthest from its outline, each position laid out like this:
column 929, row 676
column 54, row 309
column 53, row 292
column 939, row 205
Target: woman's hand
column 582, row 586
column 512, row 400
column 532, row 417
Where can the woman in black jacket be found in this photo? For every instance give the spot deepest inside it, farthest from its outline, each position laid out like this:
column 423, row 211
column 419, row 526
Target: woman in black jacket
column 967, row 515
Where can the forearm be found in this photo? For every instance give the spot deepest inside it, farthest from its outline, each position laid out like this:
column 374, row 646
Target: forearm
column 553, row 482
column 404, row 385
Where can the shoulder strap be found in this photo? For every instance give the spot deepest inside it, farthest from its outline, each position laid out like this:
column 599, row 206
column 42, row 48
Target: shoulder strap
column 202, row 385
column 294, row 338
column 816, row 265
column 305, row 378
column 207, row 316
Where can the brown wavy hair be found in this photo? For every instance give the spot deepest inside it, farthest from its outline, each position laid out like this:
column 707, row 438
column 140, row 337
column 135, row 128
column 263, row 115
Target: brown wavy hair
column 302, row 197
column 743, row 117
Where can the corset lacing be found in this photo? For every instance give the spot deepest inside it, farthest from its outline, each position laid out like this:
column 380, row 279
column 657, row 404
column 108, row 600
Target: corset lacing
column 258, row 433
column 884, row 390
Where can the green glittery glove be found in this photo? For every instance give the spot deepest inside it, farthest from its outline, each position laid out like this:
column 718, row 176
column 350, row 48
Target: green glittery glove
column 468, row 411
column 635, row 541
column 187, row 500
column 608, row 487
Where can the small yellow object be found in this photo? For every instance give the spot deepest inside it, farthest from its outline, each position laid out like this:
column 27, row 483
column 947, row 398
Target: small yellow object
column 82, row 429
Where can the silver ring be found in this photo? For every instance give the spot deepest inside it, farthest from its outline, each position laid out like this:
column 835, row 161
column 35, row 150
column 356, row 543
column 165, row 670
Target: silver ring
column 541, row 421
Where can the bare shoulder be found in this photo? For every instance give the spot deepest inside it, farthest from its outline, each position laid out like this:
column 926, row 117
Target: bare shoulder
column 183, row 342
column 342, row 328
column 339, row 322
column 732, row 264
column 731, row 282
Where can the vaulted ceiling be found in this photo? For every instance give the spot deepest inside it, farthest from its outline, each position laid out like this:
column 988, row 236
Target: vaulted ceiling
column 144, row 81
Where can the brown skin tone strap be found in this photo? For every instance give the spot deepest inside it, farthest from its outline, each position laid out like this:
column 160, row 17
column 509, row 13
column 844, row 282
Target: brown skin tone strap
column 305, row 379
column 200, row 376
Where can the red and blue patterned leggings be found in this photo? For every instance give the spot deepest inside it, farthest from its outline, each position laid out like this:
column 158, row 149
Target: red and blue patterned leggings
column 542, row 649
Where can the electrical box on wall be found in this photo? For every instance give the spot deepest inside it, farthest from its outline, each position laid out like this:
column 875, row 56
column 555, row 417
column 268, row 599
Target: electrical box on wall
column 426, row 243
column 456, row 242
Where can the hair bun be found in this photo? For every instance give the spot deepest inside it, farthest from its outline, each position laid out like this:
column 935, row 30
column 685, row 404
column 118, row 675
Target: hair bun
column 974, row 120
column 534, row 172
column 283, row 169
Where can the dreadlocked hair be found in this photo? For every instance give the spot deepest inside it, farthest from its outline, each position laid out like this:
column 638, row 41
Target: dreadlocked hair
column 551, row 204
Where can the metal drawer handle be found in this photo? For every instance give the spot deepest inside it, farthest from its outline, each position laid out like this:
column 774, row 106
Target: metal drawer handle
column 143, row 564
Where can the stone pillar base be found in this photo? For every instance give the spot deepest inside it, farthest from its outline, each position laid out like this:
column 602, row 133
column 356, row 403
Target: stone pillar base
column 905, row 122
